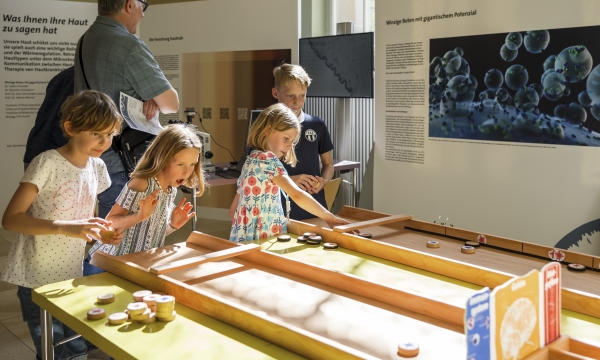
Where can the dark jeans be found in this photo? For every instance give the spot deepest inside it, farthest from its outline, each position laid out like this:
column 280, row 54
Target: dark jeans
column 89, row 269
column 74, row 349
column 107, row 198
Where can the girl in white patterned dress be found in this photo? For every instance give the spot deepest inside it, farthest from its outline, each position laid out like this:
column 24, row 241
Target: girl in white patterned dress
column 53, row 211
column 256, row 210
column 146, row 208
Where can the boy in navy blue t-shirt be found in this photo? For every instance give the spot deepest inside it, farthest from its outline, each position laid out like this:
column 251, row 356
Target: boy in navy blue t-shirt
column 291, row 83
column 314, row 149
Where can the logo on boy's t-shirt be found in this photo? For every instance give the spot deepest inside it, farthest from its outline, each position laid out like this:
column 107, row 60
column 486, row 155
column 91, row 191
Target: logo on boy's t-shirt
column 310, row 135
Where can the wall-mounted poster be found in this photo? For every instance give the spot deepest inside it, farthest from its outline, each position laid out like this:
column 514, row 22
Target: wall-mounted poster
column 488, row 114
column 535, row 86
column 39, row 39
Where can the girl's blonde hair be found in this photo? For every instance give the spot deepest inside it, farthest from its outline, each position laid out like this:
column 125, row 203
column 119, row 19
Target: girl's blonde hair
column 90, row 110
column 284, row 74
column 277, row 117
column 171, row 140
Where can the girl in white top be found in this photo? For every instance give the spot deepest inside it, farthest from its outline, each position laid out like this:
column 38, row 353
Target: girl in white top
column 145, row 208
column 53, row 208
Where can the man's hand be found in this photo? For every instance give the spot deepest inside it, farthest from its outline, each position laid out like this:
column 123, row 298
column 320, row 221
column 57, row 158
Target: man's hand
column 150, row 109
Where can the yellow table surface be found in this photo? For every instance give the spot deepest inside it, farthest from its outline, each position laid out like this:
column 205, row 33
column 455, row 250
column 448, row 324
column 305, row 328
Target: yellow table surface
column 435, row 286
column 192, row 335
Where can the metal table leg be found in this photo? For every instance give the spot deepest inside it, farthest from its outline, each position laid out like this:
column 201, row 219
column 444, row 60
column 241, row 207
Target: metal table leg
column 47, row 337
column 194, row 219
column 353, row 187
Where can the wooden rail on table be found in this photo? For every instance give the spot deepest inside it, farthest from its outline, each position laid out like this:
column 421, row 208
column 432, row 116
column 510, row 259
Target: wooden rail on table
column 291, row 337
column 566, row 348
column 446, row 315
column 468, row 235
column 197, row 260
column 574, row 300
column 374, row 222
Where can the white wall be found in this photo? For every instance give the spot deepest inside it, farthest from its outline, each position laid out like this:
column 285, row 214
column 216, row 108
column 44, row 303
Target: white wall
column 224, row 25
column 206, row 26
column 533, row 193
column 214, row 26
column 23, row 91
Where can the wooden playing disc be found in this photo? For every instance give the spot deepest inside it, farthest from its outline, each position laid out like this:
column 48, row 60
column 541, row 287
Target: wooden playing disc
column 433, row 244
column 467, row 250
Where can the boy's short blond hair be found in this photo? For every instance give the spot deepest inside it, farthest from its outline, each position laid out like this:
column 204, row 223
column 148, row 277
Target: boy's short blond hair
column 90, row 110
column 284, row 74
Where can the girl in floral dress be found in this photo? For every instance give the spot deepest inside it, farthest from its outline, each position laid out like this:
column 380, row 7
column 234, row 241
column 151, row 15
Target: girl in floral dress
column 257, row 209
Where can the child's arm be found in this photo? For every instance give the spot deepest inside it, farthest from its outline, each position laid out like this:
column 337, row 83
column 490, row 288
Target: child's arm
column 305, row 182
column 306, row 201
column 180, row 215
column 234, row 205
column 122, row 219
column 16, row 219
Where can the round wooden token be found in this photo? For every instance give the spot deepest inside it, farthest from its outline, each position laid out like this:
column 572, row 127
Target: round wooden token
column 150, row 300
column 96, row 314
column 309, row 234
column 165, row 303
column 314, row 240
column 117, row 318
column 284, row 238
column 143, row 316
column 150, row 319
column 138, row 296
column 105, row 298
column 329, row 246
column 474, row 244
column 433, row 244
column 167, row 318
column 136, row 308
column 107, row 235
column 301, row 239
column 467, row 250
column 576, row 267
column 408, row 349
column 365, row 235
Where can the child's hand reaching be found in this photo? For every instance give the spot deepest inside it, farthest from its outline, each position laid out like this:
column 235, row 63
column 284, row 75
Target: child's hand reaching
column 112, row 236
column 181, row 214
column 333, row 221
column 147, row 205
column 86, row 229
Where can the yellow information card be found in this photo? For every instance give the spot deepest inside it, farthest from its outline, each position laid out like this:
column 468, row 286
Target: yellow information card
column 516, row 309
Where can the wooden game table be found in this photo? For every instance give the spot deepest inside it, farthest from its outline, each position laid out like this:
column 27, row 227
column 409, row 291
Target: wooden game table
column 358, row 301
column 258, row 292
column 401, row 239
column 430, row 277
column 191, row 334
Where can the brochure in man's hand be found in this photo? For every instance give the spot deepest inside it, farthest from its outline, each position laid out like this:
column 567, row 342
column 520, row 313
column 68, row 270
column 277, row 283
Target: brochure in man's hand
column 132, row 110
